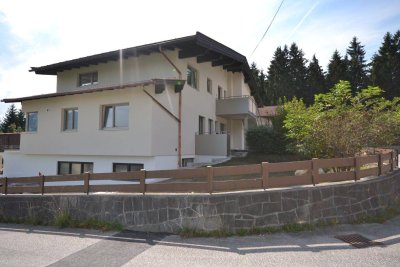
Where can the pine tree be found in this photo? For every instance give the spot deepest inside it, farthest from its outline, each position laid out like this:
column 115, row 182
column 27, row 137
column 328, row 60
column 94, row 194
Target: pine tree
column 13, row 121
column 297, row 71
column 385, row 66
column 337, row 70
column 315, row 81
column 357, row 68
column 278, row 77
column 259, row 77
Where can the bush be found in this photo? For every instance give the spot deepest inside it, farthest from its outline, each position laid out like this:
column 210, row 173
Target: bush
column 263, row 139
column 340, row 124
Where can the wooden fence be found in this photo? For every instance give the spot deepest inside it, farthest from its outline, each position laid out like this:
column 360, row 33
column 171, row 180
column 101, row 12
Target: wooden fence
column 212, row 179
column 9, row 141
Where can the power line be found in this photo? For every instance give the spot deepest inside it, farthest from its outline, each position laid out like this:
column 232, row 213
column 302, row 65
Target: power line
column 276, row 13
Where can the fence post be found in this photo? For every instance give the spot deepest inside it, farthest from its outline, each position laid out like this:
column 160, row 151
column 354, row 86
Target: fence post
column 357, row 168
column 314, row 171
column 264, row 174
column 379, row 164
column 4, row 185
column 86, row 183
column 210, row 178
column 42, row 184
column 143, row 181
column 391, row 161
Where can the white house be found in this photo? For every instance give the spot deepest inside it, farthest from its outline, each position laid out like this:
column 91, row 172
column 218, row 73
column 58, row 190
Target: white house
column 156, row 106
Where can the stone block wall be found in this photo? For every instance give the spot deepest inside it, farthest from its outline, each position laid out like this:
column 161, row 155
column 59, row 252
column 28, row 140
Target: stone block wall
column 343, row 202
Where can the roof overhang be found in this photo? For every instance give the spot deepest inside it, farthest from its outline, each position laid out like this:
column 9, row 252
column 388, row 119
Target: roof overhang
column 199, row 45
column 159, row 84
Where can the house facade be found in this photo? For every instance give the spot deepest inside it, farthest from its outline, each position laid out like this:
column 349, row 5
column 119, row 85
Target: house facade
column 158, row 106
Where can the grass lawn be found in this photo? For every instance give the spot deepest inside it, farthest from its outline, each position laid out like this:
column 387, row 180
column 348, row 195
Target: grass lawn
column 254, row 158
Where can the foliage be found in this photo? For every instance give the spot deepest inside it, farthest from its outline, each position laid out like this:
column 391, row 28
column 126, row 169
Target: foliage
column 357, row 72
column 315, row 81
column 268, row 139
column 263, row 139
column 385, row 66
column 337, row 69
column 340, row 124
column 13, row 121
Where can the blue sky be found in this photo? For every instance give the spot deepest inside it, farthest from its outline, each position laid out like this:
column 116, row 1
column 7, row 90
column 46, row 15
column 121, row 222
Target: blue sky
column 48, row 31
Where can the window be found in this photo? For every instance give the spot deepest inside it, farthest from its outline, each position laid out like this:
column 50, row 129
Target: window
column 222, row 128
column 115, row 116
column 66, row 167
column 127, row 167
column 86, row 79
column 219, row 92
column 201, row 125
column 192, row 77
column 187, row 162
column 32, row 121
column 70, row 119
column 210, row 126
column 216, row 127
column 209, row 86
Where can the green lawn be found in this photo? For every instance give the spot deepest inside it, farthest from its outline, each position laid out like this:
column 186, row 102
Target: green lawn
column 254, row 158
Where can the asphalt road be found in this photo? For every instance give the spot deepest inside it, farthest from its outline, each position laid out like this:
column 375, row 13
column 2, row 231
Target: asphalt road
column 45, row 246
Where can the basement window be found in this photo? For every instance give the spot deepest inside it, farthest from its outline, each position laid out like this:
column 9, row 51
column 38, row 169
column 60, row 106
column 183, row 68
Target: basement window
column 127, row 167
column 187, row 162
column 192, row 77
column 66, row 167
column 89, row 78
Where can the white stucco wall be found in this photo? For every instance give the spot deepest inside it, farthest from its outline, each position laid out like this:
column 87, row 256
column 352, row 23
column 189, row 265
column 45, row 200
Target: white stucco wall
column 112, row 73
column 152, row 135
column 18, row 164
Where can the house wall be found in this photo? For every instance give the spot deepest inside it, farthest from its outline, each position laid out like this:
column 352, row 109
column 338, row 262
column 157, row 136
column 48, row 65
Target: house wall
column 152, row 135
column 90, row 139
column 113, row 73
column 18, row 164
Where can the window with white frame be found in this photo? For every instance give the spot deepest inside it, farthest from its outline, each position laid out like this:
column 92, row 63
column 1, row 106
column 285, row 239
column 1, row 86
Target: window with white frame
column 210, row 126
column 201, row 125
column 209, row 85
column 115, row 116
column 89, row 78
column 192, row 77
column 220, row 92
column 70, row 119
column 31, row 121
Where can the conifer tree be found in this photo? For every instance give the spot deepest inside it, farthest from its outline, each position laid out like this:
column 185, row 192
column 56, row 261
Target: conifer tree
column 337, row 70
column 297, row 71
column 315, row 81
column 13, row 120
column 385, row 65
column 278, row 76
column 357, row 69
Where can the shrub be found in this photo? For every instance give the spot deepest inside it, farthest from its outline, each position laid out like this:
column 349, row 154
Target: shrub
column 340, row 124
column 263, row 139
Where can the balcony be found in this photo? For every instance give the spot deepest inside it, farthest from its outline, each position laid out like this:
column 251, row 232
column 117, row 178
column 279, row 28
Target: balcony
column 212, row 144
column 236, row 107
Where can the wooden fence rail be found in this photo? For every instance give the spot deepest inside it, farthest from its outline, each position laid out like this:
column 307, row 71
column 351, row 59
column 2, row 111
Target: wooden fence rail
column 211, row 179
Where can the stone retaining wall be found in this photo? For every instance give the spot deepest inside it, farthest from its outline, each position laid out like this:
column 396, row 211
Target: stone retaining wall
column 231, row 211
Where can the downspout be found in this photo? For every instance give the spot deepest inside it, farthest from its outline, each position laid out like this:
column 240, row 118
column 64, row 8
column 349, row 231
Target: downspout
column 179, row 108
